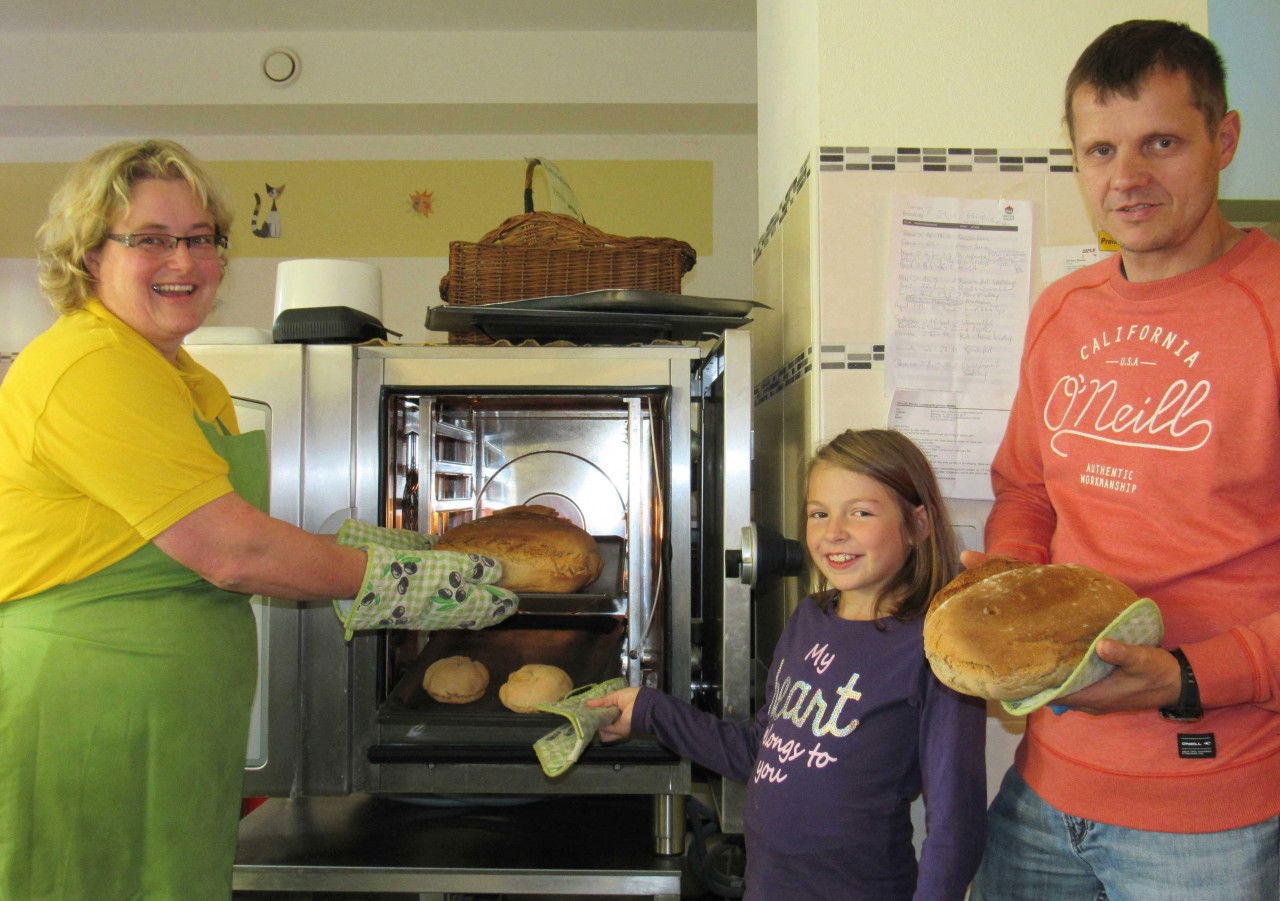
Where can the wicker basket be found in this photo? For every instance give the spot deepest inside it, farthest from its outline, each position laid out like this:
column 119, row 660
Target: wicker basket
column 538, row 254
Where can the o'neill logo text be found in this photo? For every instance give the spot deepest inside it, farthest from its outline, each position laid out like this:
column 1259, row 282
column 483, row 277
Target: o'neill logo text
column 1090, row 409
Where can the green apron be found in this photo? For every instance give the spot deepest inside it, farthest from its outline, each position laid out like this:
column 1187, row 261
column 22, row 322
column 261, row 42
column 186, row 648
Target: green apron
column 124, row 715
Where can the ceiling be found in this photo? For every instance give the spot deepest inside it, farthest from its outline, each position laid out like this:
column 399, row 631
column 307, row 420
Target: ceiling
column 379, row 15
column 104, row 17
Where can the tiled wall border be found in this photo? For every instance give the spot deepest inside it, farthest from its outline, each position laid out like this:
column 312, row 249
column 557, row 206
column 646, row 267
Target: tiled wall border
column 976, row 160
column 792, row 190
column 826, row 356
column 852, row 356
column 943, row 159
column 787, row 374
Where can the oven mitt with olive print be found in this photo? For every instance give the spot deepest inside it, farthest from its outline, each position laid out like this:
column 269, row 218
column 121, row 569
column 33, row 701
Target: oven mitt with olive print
column 560, row 748
column 426, row 590
column 354, row 533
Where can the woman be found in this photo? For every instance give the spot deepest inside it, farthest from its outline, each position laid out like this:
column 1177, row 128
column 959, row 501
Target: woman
column 132, row 534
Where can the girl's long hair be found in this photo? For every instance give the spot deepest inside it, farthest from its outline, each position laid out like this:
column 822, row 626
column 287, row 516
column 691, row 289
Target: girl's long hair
column 894, row 460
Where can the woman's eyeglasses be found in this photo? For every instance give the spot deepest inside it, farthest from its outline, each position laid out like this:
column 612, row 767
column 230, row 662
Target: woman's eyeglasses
column 158, row 245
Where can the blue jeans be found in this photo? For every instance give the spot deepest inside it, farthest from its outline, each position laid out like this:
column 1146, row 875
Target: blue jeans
column 1037, row 853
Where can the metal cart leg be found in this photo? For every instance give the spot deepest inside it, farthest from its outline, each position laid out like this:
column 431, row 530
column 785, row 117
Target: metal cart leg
column 668, row 824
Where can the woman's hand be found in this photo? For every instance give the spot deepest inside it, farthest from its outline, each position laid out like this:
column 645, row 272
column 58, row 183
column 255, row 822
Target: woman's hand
column 624, row 699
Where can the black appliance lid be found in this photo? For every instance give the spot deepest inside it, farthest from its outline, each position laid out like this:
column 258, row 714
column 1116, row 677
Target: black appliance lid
column 327, row 325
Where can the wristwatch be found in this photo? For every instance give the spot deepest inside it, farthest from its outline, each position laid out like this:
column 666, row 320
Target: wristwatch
column 1188, row 708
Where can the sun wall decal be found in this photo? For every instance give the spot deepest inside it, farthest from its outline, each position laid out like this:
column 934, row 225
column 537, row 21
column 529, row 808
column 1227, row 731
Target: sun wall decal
column 421, row 203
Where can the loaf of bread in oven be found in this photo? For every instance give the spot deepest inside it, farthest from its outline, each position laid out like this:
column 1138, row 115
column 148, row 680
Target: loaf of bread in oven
column 1006, row 630
column 540, row 551
column 534, row 684
column 456, row 680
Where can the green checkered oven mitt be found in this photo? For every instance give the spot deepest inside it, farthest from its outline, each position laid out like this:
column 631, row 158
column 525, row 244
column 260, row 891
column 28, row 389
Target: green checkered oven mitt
column 421, row 589
column 354, row 533
column 560, row 748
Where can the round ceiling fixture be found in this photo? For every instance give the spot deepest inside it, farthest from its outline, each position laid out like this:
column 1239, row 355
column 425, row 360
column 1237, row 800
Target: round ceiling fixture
column 281, row 66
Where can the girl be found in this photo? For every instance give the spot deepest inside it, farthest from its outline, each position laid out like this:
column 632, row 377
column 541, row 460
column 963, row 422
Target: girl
column 854, row 724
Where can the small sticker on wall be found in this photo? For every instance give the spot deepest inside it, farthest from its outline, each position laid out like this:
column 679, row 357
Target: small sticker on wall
column 266, row 224
column 420, row 202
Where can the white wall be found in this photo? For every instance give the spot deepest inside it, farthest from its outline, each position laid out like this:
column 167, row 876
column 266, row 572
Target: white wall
column 923, row 72
column 1245, row 31
column 787, row 103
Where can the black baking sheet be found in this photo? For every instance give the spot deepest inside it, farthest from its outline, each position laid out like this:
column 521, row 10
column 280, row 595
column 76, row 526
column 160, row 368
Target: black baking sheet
column 587, row 648
column 606, row 594
column 636, row 300
column 500, row 321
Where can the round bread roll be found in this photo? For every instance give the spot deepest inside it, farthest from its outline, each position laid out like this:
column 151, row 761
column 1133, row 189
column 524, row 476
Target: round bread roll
column 1006, row 630
column 534, row 684
column 456, row 680
column 539, row 550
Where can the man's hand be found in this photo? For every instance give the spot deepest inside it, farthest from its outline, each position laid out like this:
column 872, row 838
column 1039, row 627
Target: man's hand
column 970, row 559
column 1145, row 678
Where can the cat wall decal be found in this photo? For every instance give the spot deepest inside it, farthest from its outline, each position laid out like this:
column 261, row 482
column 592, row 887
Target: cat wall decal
column 270, row 224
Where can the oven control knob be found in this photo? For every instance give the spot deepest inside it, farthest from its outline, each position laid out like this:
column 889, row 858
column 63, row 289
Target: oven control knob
column 765, row 556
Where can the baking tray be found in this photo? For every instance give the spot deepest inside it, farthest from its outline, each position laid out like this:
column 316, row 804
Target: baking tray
column 587, row 648
column 499, row 321
column 605, row 595
column 636, row 300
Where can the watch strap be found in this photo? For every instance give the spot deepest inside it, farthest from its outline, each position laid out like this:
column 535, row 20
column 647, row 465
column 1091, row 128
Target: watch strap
column 1188, row 709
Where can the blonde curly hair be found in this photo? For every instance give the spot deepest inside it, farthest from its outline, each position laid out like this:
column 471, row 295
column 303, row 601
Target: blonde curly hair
column 94, row 194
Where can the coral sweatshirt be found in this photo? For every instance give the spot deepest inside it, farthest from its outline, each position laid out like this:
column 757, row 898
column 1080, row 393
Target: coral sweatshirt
column 1145, row 442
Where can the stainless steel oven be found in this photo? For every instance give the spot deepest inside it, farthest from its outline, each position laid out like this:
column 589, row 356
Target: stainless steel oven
column 646, row 447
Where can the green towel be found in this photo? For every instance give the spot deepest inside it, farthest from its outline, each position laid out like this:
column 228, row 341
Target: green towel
column 1139, row 623
column 560, row 748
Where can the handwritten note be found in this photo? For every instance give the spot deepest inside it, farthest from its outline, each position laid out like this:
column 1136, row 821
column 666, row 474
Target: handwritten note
column 961, row 293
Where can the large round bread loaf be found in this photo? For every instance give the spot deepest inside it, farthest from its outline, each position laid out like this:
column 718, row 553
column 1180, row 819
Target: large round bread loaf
column 539, row 550
column 1006, row 630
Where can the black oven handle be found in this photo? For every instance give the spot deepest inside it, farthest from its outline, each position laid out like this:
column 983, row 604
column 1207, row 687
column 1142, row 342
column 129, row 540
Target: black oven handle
column 765, row 556
column 411, row 752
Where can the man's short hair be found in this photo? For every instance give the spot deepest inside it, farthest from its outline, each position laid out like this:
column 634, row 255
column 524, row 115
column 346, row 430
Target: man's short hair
column 1120, row 59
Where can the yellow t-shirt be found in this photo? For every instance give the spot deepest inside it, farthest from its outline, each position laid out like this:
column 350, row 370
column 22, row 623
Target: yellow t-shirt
column 100, row 450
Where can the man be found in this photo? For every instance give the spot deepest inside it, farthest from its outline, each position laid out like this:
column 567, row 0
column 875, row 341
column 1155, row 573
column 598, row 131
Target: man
column 1145, row 442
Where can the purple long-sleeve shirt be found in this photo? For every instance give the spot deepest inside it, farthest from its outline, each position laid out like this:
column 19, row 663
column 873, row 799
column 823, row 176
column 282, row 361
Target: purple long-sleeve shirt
column 854, row 725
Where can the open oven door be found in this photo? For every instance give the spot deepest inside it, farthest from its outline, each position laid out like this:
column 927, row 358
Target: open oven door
column 722, row 678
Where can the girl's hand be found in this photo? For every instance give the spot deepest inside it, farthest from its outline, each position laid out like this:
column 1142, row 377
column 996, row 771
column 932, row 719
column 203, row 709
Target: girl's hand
column 624, row 699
